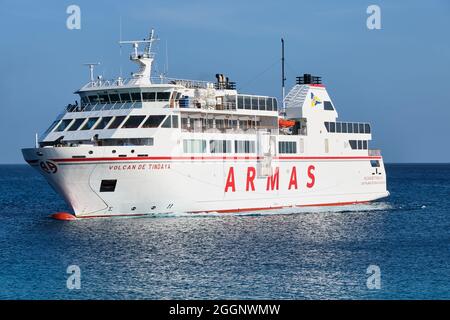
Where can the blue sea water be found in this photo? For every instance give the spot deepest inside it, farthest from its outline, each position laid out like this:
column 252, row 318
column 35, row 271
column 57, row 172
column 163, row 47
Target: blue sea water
column 304, row 254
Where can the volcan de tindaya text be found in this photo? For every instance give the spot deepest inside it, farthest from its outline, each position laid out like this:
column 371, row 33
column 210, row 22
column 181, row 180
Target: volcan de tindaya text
column 145, row 146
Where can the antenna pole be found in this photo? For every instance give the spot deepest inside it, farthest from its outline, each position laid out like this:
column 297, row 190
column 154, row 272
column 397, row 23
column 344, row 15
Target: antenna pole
column 91, row 69
column 283, row 78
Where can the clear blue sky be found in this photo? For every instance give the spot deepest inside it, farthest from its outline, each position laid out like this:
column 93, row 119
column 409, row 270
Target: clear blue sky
column 397, row 78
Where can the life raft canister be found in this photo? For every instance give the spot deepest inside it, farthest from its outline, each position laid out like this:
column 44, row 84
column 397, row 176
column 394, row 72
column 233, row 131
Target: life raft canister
column 284, row 123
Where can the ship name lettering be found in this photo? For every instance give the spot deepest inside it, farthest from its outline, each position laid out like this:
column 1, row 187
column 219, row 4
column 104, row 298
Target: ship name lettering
column 272, row 181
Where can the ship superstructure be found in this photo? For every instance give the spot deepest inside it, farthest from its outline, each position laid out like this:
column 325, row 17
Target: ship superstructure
column 144, row 146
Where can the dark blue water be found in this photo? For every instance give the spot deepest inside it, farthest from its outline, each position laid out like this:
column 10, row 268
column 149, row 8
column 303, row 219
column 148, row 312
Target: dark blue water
column 310, row 254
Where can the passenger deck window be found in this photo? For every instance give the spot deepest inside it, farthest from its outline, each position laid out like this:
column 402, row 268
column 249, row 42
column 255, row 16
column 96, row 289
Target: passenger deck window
column 275, row 104
column 287, row 146
column 167, row 123
column 194, row 146
column 52, row 126
column 153, row 121
column 254, row 103
column 76, row 124
column 262, row 104
column 269, row 105
column 332, row 126
column 133, row 122
column 327, row 106
column 174, row 121
column 240, row 102
column 244, row 146
column 90, row 123
column 220, row 146
column 247, row 103
column 103, row 123
column 116, row 122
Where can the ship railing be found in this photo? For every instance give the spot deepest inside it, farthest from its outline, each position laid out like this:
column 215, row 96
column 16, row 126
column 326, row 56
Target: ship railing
column 374, row 152
column 102, row 106
column 119, row 82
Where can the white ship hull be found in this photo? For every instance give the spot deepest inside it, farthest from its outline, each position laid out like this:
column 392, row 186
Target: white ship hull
column 139, row 146
column 165, row 184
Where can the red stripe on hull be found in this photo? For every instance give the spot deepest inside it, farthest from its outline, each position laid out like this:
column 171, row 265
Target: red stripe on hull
column 215, row 158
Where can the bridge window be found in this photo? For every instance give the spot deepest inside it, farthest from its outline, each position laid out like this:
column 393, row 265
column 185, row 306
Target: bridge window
column 355, row 128
column 148, row 96
column 163, row 96
column 367, row 128
column 220, row 146
column 125, row 97
column 136, row 96
column 153, row 121
column 102, row 123
column 76, row 124
column 133, row 122
column 194, row 146
column 93, row 99
column 90, row 123
column 103, row 99
column 287, row 146
column 244, row 146
column 116, row 122
column 114, row 97
column 361, row 128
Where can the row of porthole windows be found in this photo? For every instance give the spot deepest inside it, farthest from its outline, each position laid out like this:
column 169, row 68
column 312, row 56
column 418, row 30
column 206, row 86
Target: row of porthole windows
column 99, row 123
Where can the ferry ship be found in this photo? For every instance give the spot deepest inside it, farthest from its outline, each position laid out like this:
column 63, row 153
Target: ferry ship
column 146, row 146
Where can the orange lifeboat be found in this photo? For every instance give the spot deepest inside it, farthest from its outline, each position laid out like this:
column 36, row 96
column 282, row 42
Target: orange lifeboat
column 284, row 123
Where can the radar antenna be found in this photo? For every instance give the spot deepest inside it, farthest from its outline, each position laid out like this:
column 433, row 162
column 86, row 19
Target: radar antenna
column 143, row 59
